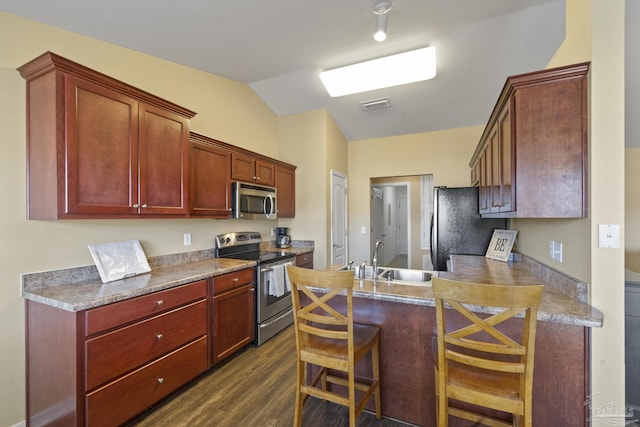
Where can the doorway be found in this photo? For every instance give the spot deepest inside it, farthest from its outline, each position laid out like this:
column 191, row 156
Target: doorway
column 391, row 223
column 400, row 214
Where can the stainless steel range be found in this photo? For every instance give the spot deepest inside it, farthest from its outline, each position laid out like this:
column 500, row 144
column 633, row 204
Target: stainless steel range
column 273, row 296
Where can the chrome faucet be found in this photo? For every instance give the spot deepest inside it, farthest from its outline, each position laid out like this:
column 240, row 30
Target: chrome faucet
column 379, row 244
column 363, row 266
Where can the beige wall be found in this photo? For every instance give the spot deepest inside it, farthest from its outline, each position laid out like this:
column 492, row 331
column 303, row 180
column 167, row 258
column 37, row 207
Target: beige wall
column 227, row 110
column 444, row 154
column 313, row 142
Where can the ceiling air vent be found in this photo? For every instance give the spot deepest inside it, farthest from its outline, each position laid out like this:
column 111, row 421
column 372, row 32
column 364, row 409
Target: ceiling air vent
column 375, row 104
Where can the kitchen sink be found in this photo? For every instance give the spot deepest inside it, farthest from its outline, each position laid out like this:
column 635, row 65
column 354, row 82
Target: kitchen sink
column 405, row 275
column 388, row 274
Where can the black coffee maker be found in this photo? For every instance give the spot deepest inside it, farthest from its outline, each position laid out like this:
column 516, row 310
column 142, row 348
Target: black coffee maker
column 283, row 240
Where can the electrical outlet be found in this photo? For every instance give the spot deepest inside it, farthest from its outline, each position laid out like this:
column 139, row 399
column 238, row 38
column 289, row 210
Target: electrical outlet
column 557, row 251
column 187, row 239
column 609, row 235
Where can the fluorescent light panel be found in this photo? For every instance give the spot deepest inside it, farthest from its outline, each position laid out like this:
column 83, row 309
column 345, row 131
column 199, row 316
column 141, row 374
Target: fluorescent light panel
column 394, row 70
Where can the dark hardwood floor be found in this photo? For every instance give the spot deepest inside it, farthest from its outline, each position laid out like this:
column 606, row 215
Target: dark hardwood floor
column 255, row 388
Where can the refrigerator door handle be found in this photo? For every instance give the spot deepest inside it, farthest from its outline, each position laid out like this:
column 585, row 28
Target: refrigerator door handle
column 431, row 244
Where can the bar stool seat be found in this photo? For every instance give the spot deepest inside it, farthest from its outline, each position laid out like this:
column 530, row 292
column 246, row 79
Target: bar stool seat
column 330, row 340
column 478, row 364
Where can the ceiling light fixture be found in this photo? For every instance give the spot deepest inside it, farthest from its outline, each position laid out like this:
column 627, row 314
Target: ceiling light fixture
column 381, row 9
column 408, row 67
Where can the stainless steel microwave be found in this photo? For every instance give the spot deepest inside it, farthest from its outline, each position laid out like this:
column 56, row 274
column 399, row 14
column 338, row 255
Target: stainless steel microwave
column 252, row 201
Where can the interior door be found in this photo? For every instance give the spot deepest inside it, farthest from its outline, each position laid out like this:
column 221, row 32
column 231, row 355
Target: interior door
column 339, row 230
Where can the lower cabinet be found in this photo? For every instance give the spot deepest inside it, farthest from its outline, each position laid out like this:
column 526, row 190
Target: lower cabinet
column 233, row 312
column 106, row 365
column 305, row 260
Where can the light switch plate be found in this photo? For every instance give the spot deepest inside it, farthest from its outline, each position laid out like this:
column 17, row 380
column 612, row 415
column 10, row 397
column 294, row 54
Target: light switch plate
column 609, row 235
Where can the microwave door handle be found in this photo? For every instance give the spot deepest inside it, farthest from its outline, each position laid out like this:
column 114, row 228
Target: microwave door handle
column 264, row 206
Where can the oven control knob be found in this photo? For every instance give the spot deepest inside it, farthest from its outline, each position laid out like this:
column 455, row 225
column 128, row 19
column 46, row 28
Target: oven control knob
column 228, row 239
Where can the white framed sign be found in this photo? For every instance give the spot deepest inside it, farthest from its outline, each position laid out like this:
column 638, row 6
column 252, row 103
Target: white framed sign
column 501, row 244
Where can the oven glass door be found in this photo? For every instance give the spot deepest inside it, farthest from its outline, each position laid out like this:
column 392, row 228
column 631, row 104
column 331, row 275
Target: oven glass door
column 272, row 296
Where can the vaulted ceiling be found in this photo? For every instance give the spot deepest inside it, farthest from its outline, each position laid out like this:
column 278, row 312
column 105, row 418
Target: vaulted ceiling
column 278, row 47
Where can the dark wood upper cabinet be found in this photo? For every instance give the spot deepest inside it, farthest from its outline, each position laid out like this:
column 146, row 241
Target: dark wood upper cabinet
column 286, row 188
column 247, row 168
column 532, row 159
column 210, row 166
column 99, row 148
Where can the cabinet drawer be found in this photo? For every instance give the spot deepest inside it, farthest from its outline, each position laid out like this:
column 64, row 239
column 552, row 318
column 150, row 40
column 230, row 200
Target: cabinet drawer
column 231, row 280
column 122, row 350
column 305, row 260
column 120, row 313
column 124, row 398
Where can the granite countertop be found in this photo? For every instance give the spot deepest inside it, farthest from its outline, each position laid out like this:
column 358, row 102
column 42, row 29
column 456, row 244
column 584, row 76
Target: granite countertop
column 298, row 247
column 78, row 289
column 558, row 304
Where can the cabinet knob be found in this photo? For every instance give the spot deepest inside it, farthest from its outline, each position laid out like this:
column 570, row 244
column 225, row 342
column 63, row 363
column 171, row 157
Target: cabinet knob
column 159, row 302
column 255, row 177
column 144, row 206
column 136, row 206
column 159, row 336
column 235, row 280
column 160, row 380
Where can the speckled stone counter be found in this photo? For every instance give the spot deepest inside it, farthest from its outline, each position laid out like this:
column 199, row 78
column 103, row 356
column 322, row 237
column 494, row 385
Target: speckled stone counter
column 77, row 289
column 559, row 303
column 298, row 247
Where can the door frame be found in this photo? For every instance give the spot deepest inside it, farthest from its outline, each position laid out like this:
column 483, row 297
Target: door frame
column 335, row 174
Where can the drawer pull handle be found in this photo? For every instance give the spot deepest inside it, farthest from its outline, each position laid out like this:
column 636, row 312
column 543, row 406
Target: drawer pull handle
column 159, row 336
column 235, row 280
column 159, row 302
column 160, row 380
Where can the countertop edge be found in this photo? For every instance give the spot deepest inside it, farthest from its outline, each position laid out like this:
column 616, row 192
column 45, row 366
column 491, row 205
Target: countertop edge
column 85, row 295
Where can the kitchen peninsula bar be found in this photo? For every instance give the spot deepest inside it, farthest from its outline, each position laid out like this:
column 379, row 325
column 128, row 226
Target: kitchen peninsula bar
column 406, row 315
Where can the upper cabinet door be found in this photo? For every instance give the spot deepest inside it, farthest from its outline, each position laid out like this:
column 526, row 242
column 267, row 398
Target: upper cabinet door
column 210, row 180
column 286, row 186
column 163, row 157
column 265, row 173
column 249, row 169
column 102, row 150
column 242, row 168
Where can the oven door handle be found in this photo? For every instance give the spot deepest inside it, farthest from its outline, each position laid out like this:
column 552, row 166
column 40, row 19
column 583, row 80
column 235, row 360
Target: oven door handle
column 282, row 316
column 265, row 270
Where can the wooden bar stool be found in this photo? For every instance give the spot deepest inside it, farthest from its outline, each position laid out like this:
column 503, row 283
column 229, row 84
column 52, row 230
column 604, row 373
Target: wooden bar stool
column 479, row 365
column 329, row 339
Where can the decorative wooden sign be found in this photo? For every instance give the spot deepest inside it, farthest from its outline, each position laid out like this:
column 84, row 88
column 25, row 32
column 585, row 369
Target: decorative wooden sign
column 501, row 244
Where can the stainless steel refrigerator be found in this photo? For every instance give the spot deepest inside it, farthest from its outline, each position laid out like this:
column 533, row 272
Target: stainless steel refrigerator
column 456, row 226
